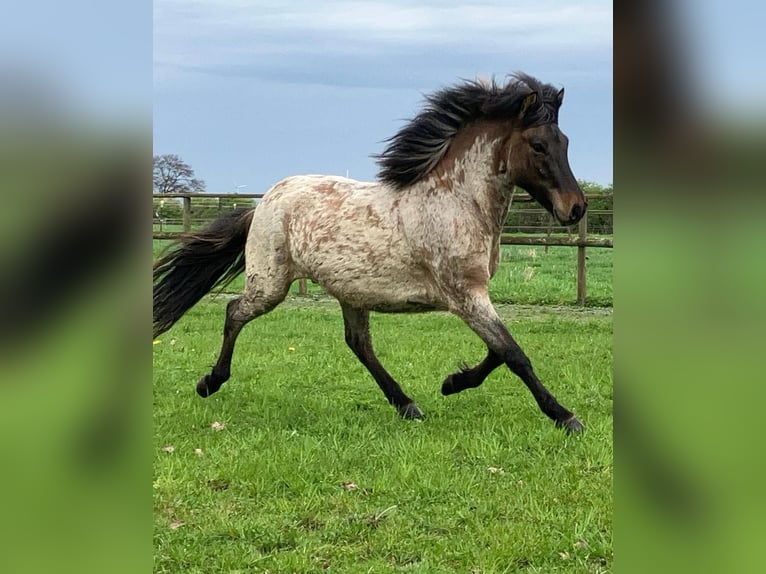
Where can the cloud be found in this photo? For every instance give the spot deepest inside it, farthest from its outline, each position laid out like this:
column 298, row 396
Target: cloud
column 238, row 70
column 232, row 35
column 396, row 22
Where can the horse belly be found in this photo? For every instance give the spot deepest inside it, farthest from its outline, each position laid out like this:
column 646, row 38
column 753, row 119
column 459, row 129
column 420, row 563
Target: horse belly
column 357, row 280
column 375, row 271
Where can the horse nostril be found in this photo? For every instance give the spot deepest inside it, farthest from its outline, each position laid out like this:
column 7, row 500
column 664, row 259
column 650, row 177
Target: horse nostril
column 578, row 210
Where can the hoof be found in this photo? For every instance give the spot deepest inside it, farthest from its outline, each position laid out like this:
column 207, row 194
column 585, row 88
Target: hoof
column 207, row 386
column 460, row 381
column 572, row 425
column 448, row 386
column 410, row 411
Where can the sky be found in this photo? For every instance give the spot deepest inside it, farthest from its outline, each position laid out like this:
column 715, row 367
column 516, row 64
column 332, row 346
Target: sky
column 248, row 93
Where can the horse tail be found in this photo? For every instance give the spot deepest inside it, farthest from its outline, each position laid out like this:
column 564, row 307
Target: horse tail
column 198, row 262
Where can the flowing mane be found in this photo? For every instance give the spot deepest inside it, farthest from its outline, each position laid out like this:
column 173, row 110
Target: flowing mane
column 415, row 150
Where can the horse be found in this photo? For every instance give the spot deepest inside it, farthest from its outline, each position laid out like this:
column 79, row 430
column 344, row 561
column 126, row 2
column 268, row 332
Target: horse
column 425, row 236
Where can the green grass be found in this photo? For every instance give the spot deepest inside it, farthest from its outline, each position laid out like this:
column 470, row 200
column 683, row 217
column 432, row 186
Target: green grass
column 528, row 275
column 302, row 418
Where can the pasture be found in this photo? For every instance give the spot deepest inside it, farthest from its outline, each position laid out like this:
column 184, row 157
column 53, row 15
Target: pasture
column 300, row 465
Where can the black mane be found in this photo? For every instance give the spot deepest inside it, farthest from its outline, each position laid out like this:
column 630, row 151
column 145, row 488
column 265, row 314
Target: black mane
column 416, row 149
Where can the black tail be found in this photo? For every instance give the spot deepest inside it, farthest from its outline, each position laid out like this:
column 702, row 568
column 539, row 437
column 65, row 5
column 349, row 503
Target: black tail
column 198, row 262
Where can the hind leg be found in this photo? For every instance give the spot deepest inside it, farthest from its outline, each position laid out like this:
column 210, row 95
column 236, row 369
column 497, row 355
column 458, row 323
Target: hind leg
column 239, row 312
column 357, row 326
column 221, row 372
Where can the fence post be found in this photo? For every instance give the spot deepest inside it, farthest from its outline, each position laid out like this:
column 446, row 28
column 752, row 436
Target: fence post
column 187, row 213
column 583, row 234
column 548, row 233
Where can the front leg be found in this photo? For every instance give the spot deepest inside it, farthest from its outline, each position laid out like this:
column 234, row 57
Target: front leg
column 469, row 378
column 480, row 315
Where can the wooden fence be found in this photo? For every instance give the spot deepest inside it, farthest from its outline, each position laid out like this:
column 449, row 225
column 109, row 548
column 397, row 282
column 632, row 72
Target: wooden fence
column 581, row 240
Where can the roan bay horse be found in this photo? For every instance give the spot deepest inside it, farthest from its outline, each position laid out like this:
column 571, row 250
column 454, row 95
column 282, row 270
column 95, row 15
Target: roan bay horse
column 426, row 236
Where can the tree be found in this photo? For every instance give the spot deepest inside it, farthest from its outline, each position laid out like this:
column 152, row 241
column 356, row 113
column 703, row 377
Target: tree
column 591, row 187
column 171, row 174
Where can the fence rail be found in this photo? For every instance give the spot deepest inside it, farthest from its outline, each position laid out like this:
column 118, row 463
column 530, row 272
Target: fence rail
column 581, row 241
column 557, row 241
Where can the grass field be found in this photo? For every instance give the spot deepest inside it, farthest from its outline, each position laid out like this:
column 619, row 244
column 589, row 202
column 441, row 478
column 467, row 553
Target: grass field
column 298, row 464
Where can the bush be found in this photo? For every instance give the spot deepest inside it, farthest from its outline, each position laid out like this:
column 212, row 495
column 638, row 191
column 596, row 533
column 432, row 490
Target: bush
column 205, row 208
column 169, row 208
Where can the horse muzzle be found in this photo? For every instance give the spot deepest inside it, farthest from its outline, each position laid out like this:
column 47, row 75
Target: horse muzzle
column 570, row 213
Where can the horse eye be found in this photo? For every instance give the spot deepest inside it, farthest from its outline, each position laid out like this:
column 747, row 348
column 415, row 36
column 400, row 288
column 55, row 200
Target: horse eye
column 538, row 147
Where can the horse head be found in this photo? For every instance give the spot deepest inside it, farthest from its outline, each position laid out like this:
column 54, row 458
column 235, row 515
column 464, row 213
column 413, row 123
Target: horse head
column 538, row 161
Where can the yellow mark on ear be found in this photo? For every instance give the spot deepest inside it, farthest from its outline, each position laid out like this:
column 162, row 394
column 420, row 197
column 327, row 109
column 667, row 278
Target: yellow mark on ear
column 528, row 102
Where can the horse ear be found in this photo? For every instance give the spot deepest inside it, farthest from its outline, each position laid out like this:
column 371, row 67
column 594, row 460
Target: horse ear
column 560, row 96
column 528, row 102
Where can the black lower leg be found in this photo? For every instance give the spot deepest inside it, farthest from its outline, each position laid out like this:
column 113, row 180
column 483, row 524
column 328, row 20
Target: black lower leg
column 520, row 364
column 469, row 378
column 391, row 389
column 357, row 332
column 221, row 371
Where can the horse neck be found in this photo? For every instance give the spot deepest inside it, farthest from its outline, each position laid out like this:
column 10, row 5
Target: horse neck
column 469, row 172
